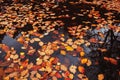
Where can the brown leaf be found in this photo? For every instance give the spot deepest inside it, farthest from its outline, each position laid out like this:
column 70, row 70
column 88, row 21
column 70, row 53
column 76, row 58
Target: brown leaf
column 9, row 70
column 93, row 40
column 58, row 75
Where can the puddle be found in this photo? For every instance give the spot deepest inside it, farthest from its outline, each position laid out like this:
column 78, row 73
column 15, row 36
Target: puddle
column 12, row 43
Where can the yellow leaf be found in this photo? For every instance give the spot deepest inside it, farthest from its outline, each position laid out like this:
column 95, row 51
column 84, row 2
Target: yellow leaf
column 71, row 76
column 82, row 54
column 84, row 61
column 62, row 52
column 68, row 48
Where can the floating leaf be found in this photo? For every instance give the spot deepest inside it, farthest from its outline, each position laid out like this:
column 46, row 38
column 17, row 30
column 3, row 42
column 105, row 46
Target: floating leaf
column 79, row 49
column 113, row 61
column 89, row 62
column 63, row 67
column 54, row 78
column 93, row 40
column 82, row 77
column 24, row 72
column 71, row 76
column 36, row 39
column 84, row 61
column 68, row 48
column 62, row 52
column 81, row 69
column 82, row 53
column 58, row 75
column 9, row 70
column 72, row 69
column 1, row 72
column 100, row 77
column 41, row 43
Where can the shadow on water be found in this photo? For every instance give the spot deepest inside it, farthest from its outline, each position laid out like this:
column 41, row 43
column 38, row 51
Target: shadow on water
column 12, row 43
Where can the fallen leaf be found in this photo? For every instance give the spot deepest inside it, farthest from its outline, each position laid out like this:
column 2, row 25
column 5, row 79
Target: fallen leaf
column 9, row 70
column 63, row 67
column 84, row 61
column 89, row 62
column 72, row 69
column 79, row 49
column 36, row 39
column 100, row 77
column 1, row 72
column 58, row 75
column 68, row 48
column 82, row 53
column 81, row 69
column 113, row 61
column 54, row 78
column 62, row 52
column 66, row 74
column 93, row 40
column 71, row 76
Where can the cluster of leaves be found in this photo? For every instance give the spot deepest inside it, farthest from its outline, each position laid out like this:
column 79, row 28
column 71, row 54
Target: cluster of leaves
column 41, row 62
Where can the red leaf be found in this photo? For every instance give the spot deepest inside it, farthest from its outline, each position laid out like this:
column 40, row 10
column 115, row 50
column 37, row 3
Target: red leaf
column 58, row 75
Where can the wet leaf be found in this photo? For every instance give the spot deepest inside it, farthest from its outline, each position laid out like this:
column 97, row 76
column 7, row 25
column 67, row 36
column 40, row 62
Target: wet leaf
column 24, row 72
column 68, row 48
column 36, row 39
column 5, row 48
column 82, row 54
column 58, row 75
column 113, row 61
column 84, row 61
column 54, row 78
column 89, row 62
column 93, row 40
column 1, row 72
column 82, row 77
column 79, row 49
column 62, row 52
column 100, row 77
column 72, row 69
column 9, row 70
column 81, row 69
column 71, row 76
column 66, row 74
column 63, row 67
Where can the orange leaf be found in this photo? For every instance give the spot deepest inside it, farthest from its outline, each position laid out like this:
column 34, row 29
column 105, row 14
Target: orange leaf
column 82, row 54
column 100, row 77
column 5, row 48
column 36, row 67
column 81, row 69
column 113, row 61
column 84, row 61
column 106, row 58
column 79, row 49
